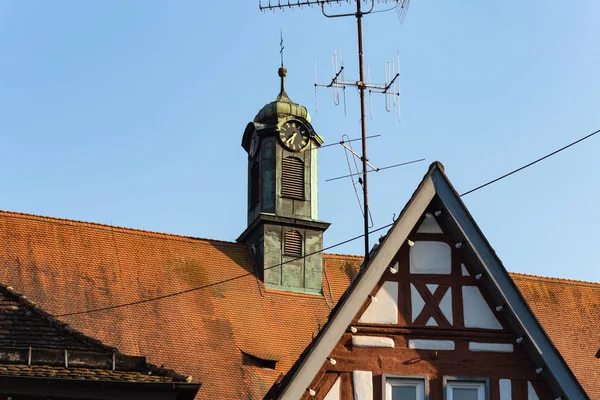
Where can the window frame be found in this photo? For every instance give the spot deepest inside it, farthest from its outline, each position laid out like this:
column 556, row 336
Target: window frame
column 409, row 380
column 469, row 382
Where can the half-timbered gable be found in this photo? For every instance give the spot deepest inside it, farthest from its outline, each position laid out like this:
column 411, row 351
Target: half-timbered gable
column 433, row 315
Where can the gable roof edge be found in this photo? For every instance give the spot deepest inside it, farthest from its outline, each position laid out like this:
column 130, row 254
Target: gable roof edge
column 434, row 183
column 487, row 257
column 359, row 289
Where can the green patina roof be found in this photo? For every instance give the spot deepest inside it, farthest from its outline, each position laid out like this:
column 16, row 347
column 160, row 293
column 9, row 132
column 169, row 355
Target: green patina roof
column 282, row 106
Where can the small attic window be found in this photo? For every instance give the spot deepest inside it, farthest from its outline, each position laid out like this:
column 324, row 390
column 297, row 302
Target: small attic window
column 598, row 354
column 255, row 361
column 293, row 244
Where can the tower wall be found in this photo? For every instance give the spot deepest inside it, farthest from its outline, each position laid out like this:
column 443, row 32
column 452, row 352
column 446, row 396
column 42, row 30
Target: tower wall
column 291, row 263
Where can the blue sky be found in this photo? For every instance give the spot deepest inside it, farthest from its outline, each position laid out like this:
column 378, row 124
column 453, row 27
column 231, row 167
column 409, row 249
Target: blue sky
column 131, row 113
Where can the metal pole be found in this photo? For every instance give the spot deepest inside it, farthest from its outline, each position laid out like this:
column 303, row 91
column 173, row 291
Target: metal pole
column 363, row 123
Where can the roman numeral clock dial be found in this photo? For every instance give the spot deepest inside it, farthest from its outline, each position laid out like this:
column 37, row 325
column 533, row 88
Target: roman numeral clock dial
column 293, row 135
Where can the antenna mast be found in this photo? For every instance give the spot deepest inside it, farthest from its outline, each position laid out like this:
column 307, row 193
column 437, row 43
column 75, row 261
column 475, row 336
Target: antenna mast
column 360, row 85
column 363, row 124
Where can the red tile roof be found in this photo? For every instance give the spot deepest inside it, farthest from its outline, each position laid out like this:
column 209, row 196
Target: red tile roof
column 69, row 266
column 569, row 311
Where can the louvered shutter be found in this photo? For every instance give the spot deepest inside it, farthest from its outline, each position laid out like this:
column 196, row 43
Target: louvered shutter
column 293, row 244
column 292, row 178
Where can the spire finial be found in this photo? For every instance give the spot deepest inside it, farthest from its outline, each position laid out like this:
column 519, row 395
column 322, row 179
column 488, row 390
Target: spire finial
column 282, row 72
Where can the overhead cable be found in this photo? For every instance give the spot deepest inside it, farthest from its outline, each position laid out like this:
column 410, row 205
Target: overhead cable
column 530, row 164
column 148, row 300
column 151, row 299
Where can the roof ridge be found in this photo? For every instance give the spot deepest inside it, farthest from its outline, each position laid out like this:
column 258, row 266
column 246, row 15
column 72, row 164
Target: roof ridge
column 122, row 229
column 343, row 256
column 520, row 275
column 137, row 231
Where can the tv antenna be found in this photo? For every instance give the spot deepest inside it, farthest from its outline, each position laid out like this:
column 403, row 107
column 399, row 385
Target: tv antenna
column 402, row 8
column 390, row 89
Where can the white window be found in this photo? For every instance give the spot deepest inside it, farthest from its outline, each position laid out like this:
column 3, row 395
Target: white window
column 463, row 390
column 404, row 389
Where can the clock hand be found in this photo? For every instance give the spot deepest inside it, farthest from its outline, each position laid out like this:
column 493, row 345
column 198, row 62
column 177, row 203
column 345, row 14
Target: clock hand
column 291, row 139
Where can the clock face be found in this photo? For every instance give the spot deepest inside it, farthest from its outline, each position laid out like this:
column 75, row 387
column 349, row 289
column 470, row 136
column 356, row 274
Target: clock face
column 293, row 135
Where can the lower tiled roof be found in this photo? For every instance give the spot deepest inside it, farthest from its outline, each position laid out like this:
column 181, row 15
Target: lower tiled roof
column 69, row 266
column 28, row 334
column 24, row 324
column 94, row 374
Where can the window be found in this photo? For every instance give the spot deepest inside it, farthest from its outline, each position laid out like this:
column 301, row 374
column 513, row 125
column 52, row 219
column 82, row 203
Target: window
column 404, row 389
column 254, row 186
column 255, row 361
column 465, row 390
column 293, row 244
column 292, row 178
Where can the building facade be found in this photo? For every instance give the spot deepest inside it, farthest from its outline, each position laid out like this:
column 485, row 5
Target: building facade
column 434, row 316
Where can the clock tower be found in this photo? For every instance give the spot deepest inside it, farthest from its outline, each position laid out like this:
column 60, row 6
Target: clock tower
column 283, row 224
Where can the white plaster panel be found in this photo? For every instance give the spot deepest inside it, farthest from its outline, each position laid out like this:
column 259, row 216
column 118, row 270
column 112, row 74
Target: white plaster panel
column 424, row 344
column 430, row 258
column 531, row 394
column 446, row 305
column 334, row 392
column 477, row 313
column 314, row 195
column 505, row 389
column 432, row 287
column 429, row 225
column 372, row 341
column 465, row 272
column 363, row 385
column 385, row 309
column 491, row 347
column 416, row 301
column 431, row 322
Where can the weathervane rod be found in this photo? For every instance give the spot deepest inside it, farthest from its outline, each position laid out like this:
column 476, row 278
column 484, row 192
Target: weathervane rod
column 281, row 46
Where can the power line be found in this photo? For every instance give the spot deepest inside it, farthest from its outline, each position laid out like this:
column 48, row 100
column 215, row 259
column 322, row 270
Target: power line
column 166, row 296
column 530, row 164
column 346, row 141
column 148, row 300
column 376, row 170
